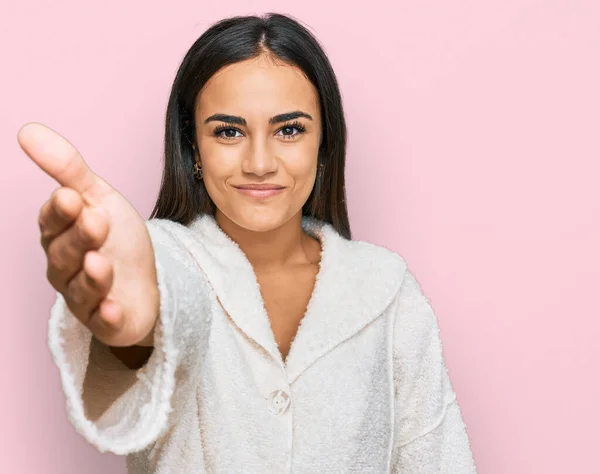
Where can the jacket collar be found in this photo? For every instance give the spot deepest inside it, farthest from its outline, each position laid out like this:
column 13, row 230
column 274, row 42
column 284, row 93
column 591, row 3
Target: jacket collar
column 355, row 284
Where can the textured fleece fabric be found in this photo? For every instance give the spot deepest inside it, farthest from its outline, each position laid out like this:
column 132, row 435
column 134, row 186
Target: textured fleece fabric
column 364, row 389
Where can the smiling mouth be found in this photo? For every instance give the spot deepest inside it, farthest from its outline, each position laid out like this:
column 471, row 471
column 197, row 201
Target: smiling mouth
column 260, row 190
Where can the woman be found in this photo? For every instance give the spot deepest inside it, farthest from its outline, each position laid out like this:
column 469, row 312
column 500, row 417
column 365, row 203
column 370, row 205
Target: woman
column 240, row 330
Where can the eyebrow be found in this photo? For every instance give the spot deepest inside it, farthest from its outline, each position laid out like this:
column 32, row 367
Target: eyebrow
column 234, row 119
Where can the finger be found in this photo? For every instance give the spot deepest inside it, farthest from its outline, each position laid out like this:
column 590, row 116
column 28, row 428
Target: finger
column 55, row 155
column 90, row 286
column 66, row 251
column 58, row 213
column 106, row 321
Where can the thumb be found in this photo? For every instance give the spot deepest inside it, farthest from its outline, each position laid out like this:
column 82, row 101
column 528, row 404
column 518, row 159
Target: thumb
column 56, row 156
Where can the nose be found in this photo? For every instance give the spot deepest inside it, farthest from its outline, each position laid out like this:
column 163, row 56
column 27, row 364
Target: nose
column 260, row 159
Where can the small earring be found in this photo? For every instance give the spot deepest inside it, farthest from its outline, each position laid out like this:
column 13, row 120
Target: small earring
column 197, row 170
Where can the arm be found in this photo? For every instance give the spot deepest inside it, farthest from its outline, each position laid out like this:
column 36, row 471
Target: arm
column 116, row 408
column 430, row 435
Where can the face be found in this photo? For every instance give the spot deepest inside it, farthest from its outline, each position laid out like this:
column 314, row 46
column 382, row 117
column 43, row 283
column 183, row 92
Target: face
column 258, row 129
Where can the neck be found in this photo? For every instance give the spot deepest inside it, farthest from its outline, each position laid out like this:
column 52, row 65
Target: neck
column 274, row 248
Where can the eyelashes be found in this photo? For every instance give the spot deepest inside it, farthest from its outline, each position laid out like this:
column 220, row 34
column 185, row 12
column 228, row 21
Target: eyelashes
column 229, row 132
column 218, row 132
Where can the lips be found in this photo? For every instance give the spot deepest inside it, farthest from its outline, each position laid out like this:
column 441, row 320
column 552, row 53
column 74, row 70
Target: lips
column 261, row 191
column 260, row 187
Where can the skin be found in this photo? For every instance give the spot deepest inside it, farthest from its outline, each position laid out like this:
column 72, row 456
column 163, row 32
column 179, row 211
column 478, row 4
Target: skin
column 99, row 252
column 269, row 231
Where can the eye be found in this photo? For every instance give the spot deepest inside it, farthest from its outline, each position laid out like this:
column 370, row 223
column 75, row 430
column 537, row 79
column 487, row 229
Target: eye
column 227, row 132
column 288, row 131
column 291, row 130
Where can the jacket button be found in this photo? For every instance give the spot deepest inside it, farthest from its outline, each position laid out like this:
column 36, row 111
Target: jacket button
column 279, row 401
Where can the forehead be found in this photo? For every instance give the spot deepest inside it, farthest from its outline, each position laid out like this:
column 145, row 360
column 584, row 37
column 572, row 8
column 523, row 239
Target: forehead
column 260, row 87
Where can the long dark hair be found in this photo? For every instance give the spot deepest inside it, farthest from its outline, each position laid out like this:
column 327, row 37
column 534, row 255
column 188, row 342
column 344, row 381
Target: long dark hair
column 182, row 198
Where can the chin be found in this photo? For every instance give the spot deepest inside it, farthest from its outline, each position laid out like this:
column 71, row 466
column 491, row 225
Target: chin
column 264, row 223
column 263, row 220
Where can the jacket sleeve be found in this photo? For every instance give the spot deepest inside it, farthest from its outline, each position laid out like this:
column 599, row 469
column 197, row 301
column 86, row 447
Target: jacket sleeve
column 118, row 409
column 430, row 435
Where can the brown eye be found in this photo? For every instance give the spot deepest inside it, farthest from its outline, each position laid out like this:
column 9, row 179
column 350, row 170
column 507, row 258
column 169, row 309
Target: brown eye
column 291, row 131
column 227, row 133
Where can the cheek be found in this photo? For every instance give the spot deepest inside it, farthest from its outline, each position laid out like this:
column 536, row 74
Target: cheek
column 305, row 177
column 219, row 163
column 303, row 171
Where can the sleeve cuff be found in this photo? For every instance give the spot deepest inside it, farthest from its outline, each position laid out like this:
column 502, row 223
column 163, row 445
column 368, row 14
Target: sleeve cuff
column 114, row 408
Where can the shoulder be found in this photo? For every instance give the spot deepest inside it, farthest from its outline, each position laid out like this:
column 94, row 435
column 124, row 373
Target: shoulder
column 376, row 270
column 381, row 263
column 167, row 231
column 169, row 238
column 375, row 261
column 165, row 227
column 368, row 274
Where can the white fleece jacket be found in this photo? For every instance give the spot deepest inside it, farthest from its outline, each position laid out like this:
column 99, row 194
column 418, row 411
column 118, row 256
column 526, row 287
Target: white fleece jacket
column 364, row 388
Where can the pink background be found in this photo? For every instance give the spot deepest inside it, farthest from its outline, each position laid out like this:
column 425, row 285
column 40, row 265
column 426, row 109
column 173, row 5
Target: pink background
column 474, row 151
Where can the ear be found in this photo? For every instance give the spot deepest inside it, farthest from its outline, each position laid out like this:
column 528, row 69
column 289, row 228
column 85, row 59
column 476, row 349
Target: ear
column 196, row 154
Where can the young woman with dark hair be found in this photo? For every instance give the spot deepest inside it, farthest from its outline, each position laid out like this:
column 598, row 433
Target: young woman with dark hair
column 240, row 329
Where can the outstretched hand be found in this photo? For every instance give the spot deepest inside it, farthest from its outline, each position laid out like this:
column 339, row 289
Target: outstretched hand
column 99, row 252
